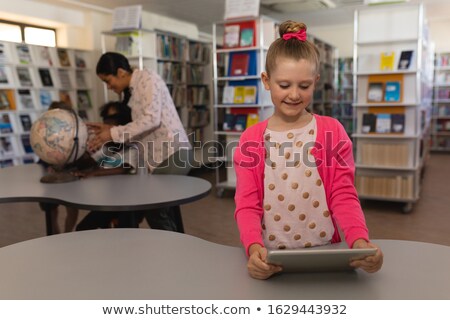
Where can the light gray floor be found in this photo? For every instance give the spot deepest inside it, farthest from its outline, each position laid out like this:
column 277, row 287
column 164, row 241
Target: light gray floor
column 212, row 218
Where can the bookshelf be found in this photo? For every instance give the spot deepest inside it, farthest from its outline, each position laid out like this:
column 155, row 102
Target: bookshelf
column 239, row 49
column 343, row 99
column 440, row 133
column 185, row 66
column 324, row 94
column 393, row 73
column 31, row 77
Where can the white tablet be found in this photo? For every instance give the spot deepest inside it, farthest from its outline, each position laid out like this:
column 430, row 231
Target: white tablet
column 328, row 258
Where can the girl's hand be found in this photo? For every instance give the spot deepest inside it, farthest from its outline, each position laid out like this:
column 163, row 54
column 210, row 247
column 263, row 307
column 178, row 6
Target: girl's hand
column 371, row 263
column 256, row 265
column 100, row 134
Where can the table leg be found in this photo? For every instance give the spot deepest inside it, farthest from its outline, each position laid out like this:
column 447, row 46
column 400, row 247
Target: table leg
column 178, row 219
column 48, row 221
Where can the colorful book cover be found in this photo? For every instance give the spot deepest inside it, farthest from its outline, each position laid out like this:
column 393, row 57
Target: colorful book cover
column 392, row 91
column 239, row 63
column 45, row 98
column 228, row 95
column 23, row 52
column 405, row 60
column 383, row 123
column 369, row 121
column 46, row 77
column 252, row 118
column 247, row 35
column 239, row 95
column 63, row 56
column 25, row 138
column 7, row 100
column 5, row 123
column 231, row 36
column 397, row 123
column 83, row 99
column 241, row 122
column 229, row 122
column 375, row 92
column 24, row 77
column 26, row 99
column 250, row 94
column 25, row 121
column 387, row 60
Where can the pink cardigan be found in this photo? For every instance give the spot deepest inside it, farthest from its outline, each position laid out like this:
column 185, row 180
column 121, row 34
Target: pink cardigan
column 334, row 159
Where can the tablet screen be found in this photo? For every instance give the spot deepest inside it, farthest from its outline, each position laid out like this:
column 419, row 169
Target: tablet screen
column 328, row 258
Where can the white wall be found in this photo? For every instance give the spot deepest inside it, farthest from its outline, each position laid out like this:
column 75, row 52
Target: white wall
column 339, row 36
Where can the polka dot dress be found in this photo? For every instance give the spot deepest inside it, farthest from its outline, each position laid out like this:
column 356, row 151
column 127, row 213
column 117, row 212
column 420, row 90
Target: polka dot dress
column 295, row 210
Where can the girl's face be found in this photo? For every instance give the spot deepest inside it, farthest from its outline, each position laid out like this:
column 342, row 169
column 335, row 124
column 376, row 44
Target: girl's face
column 291, row 86
column 116, row 83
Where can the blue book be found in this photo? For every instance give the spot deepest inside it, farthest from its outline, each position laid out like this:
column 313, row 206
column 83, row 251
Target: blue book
column 392, row 91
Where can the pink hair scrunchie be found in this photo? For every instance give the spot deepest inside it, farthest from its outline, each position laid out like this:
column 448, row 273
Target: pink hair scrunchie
column 299, row 35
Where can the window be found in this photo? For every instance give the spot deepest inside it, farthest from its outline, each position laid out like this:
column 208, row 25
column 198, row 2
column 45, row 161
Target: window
column 19, row 32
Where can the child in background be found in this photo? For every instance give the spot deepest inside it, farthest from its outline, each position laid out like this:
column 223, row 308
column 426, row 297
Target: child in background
column 295, row 170
column 110, row 160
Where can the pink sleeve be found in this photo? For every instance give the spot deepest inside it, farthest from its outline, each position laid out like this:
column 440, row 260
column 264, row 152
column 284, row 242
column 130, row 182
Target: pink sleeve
column 248, row 196
column 343, row 199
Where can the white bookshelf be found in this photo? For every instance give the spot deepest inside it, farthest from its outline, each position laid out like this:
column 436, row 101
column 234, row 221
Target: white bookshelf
column 31, row 77
column 391, row 137
column 226, row 104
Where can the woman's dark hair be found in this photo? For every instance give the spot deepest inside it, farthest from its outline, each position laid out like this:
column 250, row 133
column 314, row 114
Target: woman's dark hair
column 122, row 115
column 110, row 62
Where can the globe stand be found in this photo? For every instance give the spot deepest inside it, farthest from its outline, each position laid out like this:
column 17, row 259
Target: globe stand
column 58, row 177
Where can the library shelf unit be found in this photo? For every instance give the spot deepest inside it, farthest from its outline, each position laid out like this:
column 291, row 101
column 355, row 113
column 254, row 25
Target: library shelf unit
column 185, row 66
column 324, row 93
column 31, row 77
column 393, row 73
column 440, row 132
column 240, row 100
column 343, row 99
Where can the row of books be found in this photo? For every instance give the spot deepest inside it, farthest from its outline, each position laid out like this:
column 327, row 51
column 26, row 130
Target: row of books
column 31, row 99
column 196, row 74
column 198, row 118
column 384, row 91
column 239, row 120
column 442, row 77
column 8, row 124
column 240, row 34
column 240, row 94
column 443, row 60
column 399, row 187
column 198, row 96
column 42, row 56
column 443, row 93
column 42, row 77
column 342, row 110
column 199, row 52
column 443, row 125
column 442, row 110
column 383, row 154
column 10, row 147
column 170, row 47
column 171, row 73
column 383, row 123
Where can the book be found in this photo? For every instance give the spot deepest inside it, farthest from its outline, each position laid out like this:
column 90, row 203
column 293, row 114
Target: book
column 64, row 96
column 83, row 99
column 239, row 63
column 44, row 57
column 4, row 75
column 250, row 94
column 7, row 100
column 392, row 91
column 46, row 77
column 6, row 163
column 6, row 123
column 252, row 118
column 26, row 144
column 23, row 53
column 25, row 121
column 375, row 92
column 242, row 63
column 397, row 123
column 229, row 122
column 63, row 56
column 6, row 146
column 45, row 97
column 24, row 77
column 246, row 38
column 64, row 79
column 405, row 59
column 228, row 95
column 387, row 60
column 383, row 123
column 4, row 53
column 369, row 121
column 26, row 99
column 241, row 122
column 239, row 93
column 231, row 35
column 80, row 79
column 80, row 62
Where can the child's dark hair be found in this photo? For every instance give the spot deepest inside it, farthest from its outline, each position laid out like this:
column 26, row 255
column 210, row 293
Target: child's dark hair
column 59, row 105
column 110, row 62
column 122, row 115
column 292, row 48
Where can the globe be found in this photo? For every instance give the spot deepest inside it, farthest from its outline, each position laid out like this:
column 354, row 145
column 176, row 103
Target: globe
column 53, row 137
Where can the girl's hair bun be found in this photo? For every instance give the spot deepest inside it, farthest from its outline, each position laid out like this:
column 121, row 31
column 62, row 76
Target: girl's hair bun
column 290, row 26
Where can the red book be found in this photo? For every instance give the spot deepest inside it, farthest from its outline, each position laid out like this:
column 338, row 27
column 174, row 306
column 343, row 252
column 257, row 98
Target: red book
column 239, row 64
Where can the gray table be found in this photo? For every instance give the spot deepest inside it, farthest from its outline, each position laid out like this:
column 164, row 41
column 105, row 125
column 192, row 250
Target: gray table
column 108, row 193
column 154, row 264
